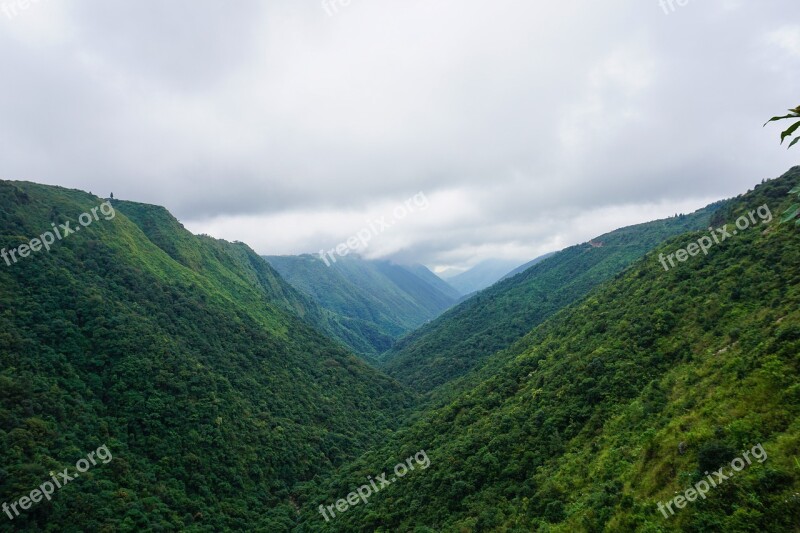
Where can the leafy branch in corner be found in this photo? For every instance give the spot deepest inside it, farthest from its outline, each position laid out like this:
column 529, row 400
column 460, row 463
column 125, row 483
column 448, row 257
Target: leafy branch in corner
column 794, row 211
column 794, row 113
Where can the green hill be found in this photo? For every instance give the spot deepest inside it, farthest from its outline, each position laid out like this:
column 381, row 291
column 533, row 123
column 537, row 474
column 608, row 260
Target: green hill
column 378, row 301
column 492, row 320
column 617, row 403
column 186, row 356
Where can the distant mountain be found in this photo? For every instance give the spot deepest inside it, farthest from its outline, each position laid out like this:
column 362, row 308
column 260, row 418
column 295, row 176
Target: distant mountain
column 482, row 275
column 526, row 266
column 185, row 355
column 375, row 302
column 494, row 318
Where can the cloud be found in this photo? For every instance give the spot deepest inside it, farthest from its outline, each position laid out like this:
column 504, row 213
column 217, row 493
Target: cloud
column 284, row 127
column 787, row 38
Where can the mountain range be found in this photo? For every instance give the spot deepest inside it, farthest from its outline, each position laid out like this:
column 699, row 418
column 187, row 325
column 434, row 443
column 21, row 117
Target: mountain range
column 242, row 394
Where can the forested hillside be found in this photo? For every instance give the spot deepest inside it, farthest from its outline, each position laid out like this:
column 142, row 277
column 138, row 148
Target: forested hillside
column 378, row 300
column 493, row 319
column 225, row 407
column 620, row 402
column 185, row 356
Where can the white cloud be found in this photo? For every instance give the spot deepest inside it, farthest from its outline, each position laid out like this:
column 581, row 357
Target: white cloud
column 787, row 38
column 277, row 125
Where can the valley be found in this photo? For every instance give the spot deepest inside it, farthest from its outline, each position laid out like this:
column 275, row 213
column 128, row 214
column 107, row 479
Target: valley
column 187, row 354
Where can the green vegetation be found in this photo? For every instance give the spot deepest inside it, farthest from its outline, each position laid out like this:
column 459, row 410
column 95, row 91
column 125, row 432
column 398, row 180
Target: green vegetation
column 616, row 403
column 186, row 356
column 573, row 396
column 791, row 130
column 373, row 302
column 495, row 318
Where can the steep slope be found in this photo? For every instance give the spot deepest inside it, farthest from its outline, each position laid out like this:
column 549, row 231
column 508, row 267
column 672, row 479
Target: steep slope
column 619, row 403
column 379, row 300
column 482, row 275
column 496, row 317
column 234, row 264
column 179, row 353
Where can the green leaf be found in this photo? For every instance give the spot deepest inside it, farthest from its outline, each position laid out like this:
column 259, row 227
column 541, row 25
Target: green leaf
column 793, row 142
column 790, row 131
column 795, row 190
column 773, row 119
column 797, row 223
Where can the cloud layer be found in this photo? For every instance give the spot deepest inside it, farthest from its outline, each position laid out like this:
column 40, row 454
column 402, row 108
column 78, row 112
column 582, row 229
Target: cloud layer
column 529, row 126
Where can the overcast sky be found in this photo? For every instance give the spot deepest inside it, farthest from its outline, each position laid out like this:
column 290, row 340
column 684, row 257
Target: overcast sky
column 527, row 125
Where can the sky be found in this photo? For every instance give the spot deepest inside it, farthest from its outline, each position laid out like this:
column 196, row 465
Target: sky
column 449, row 131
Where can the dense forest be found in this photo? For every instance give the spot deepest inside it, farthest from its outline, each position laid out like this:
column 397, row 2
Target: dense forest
column 577, row 395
